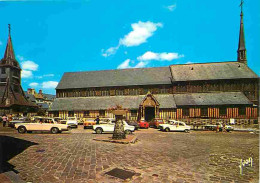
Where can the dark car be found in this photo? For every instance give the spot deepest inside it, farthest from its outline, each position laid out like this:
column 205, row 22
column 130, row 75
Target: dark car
column 156, row 122
column 134, row 123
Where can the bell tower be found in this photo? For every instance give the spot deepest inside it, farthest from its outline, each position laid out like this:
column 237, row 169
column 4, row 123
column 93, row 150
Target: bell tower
column 241, row 52
column 12, row 97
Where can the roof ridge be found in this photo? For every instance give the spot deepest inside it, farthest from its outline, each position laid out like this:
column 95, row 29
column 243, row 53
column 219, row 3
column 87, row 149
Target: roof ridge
column 119, row 69
column 207, row 63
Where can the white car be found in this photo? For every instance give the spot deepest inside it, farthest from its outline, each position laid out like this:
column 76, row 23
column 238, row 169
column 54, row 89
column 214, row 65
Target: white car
column 46, row 125
column 175, row 126
column 70, row 121
column 109, row 127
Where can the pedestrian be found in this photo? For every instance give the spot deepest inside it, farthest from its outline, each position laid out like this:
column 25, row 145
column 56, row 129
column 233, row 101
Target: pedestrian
column 97, row 120
column 4, row 120
column 217, row 128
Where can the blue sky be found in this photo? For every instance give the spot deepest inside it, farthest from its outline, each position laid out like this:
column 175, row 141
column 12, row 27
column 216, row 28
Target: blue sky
column 53, row 37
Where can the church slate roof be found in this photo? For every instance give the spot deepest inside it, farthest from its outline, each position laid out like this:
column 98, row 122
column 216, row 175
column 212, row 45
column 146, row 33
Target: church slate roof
column 222, row 98
column 120, row 77
column 103, row 103
column 211, row 71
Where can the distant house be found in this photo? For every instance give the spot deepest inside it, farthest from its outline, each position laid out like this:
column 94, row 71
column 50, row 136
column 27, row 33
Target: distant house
column 44, row 101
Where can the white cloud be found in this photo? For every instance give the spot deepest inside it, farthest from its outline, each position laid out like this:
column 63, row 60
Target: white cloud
column 141, row 64
column 110, row 51
column 26, row 74
column 33, row 85
column 159, row 56
column 30, row 65
column 171, row 7
column 49, row 84
column 125, row 64
column 141, row 31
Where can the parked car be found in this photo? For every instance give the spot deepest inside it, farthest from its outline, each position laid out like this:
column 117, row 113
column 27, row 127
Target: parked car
column 17, row 121
column 46, row 125
column 143, row 124
column 109, row 127
column 71, row 121
column 175, row 126
column 214, row 127
column 156, row 122
column 134, row 123
column 88, row 123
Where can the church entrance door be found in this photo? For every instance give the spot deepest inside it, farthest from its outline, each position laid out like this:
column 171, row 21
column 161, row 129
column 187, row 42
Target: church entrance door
column 149, row 113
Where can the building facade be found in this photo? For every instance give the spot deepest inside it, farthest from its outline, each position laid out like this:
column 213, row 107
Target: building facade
column 202, row 93
column 12, row 97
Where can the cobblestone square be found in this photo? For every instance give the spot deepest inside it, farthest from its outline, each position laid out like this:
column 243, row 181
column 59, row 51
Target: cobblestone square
column 157, row 157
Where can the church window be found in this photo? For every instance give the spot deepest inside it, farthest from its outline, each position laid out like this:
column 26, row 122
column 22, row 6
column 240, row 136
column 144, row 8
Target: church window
column 133, row 113
column 102, row 113
column 71, row 113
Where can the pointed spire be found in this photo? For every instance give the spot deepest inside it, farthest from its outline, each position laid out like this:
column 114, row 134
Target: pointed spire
column 9, row 51
column 241, row 52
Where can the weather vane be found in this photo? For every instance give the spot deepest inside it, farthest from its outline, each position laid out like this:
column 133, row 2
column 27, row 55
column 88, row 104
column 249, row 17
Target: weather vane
column 241, row 5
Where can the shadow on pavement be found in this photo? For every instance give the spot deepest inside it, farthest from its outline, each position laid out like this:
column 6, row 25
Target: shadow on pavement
column 9, row 148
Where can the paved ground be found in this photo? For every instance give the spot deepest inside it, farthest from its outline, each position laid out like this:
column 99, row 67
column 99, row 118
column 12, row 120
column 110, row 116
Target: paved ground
column 156, row 157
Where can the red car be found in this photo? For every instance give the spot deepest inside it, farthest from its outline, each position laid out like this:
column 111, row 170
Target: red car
column 156, row 122
column 143, row 124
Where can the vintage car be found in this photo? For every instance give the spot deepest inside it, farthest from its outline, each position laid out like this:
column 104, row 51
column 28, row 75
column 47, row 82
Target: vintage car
column 221, row 128
column 134, row 123
column 143, row 124
column 17, row 121
column 70, row 121
column 109, row 127
column 46, row 125
column 156, row 122
column 88, row 123
column 175, row 126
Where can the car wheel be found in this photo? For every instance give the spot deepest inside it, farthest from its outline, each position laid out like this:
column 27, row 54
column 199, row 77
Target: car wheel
column 21, row 129
column 167, row 129
column 127, row 132
column 186, row 131
column 99, row 130
column 54, row 130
